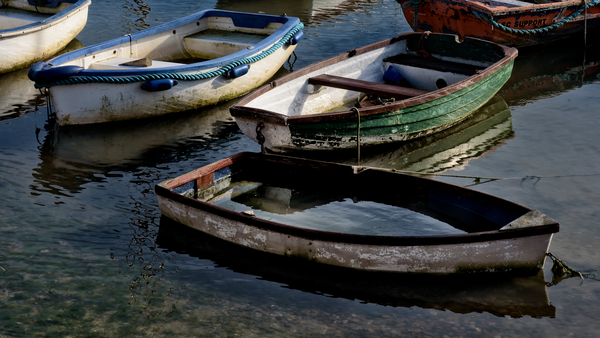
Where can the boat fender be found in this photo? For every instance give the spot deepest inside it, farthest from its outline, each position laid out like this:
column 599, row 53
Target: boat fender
column 159, row 85
column 44, row 72
column 237, row 71
column 393, row 76
column 296, row 38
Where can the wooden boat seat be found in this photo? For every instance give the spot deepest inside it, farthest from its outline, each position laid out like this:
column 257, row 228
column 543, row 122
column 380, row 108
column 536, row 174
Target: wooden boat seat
column 365, row 86
column 11, row 18
column 212, row 43
column 434, row 64
column 115, row 63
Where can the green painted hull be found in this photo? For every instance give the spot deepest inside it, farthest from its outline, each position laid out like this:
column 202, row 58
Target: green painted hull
column 403, row 124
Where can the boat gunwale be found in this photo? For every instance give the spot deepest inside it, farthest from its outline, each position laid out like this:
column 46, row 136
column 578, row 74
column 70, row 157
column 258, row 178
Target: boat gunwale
column 164, row 190
column 52, row 20
column 240, row 108
column 288, row 23
column 487, row 9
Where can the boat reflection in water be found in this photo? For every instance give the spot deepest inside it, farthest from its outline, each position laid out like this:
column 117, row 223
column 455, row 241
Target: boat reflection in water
column 18, row 95
column 548, row 72
column 307, row 10
column 498, row 295
column 72, row 156
column 478, row 136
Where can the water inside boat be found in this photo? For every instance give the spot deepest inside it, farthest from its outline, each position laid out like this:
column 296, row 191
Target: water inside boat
column 322, row 210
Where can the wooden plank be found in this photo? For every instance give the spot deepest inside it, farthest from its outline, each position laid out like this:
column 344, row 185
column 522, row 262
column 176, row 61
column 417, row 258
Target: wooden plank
column 434, row 64
column 365, row 86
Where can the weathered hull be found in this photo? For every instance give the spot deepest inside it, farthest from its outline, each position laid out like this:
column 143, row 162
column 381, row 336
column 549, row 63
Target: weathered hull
column 487, row 251
column 396, row 121
column 102, row 102
column 23, row 46
column 457, row 17
column 200, row 60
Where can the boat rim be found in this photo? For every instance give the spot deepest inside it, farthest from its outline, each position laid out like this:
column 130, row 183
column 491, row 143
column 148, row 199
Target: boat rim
column 51, row 21
column 288, row 24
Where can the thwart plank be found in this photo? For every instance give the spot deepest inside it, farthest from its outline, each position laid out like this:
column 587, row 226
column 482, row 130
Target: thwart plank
column 365, row 86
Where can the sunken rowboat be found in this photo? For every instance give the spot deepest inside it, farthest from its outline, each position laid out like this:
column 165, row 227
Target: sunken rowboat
column 399, row 89
column 200, row 60
column 357, row 218
column 34, row 30
column 509, row 22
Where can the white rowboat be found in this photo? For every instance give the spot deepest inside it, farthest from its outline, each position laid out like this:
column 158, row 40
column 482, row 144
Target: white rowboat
column 34, row 30
column 199, row 60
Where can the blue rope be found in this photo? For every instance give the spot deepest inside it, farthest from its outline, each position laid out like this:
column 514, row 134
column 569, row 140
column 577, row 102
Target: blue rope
column 176, row 76
column 535, row 30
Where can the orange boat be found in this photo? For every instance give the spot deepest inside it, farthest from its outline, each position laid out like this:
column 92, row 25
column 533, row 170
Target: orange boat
column 508, row 22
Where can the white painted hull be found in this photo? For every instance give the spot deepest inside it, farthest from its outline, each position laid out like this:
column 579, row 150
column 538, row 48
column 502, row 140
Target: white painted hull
column 185, row 66
column 38, row 43
column 438, row 259
column 99, row 102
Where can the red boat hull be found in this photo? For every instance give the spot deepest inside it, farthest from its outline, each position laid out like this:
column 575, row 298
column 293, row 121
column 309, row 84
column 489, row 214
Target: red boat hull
column 458, row 17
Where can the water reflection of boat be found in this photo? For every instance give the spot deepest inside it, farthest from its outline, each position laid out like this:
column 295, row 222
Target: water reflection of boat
column 306, row 10
column 549, row 72
column 453, row 148
column 501, row 296
column 82, row 152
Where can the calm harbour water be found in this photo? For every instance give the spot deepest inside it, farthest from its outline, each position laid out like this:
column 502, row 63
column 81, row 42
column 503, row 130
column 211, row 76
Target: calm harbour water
column 84, row 251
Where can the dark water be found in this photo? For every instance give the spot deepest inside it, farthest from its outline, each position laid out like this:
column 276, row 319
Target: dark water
column 84, row 251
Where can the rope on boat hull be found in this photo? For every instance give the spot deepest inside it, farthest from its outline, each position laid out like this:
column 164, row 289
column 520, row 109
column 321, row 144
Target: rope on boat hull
column 175, row 76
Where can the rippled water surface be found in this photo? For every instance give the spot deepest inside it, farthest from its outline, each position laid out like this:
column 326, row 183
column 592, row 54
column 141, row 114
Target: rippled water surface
column 84, row 251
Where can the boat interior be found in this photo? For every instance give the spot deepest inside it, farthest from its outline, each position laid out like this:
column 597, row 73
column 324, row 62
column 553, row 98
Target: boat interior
column 399, row 71
column 205, row 39
column 17, row 13
column 277, row 190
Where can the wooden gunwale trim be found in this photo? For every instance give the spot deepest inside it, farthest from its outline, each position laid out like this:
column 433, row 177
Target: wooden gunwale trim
column 194, row 175
column 239, row 109
column 311, row 234
column 520, row 10
column 315, row 66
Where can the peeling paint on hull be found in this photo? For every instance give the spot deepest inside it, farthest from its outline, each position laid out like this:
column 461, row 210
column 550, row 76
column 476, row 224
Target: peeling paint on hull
column 498, row 252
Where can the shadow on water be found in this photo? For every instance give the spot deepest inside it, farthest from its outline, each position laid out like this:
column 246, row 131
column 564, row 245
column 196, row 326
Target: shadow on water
column 513, row 296
column 551, row 71
column 73, row 156
column 480, row 135
column 18, row 96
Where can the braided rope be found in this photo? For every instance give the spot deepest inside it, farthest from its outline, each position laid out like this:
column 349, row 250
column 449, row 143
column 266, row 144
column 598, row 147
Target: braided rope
column 175, row 76
column 553, row 26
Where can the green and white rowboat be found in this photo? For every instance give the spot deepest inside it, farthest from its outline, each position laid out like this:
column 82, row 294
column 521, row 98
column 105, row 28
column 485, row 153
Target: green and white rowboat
column 399, row 89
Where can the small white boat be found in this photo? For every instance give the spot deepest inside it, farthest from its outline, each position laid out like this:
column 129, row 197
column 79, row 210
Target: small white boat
column 33, row 30
column 199, row 60
column 346, row 216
